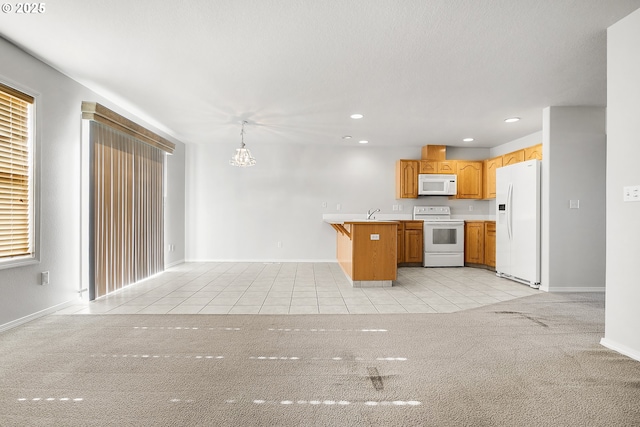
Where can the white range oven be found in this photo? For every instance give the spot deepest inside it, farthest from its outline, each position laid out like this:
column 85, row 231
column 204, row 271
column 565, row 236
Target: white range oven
column 443, row 236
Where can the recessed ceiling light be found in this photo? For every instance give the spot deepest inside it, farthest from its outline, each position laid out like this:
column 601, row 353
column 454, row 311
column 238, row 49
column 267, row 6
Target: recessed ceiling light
column 347, row 137
column 468, row 139
column 363, row 142
column 511, row 119
column 357, row 116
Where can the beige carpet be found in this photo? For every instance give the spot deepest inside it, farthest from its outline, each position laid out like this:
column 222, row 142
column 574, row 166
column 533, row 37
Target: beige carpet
column 534, row 361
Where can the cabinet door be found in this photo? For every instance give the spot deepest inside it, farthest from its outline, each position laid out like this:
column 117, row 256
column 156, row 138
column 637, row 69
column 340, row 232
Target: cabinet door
column 413, row 245
column 428, row 166
column 474, row 242
column 533, row 152
column 407, row 179
column 447, row 166
column 490, row 243
column 400, row 249
column 489, row 176
column 513, row 157
column 469, row 180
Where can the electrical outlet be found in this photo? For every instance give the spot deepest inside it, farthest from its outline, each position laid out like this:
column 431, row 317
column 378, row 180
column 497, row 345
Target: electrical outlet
column 338, row 206
column 631, row 193
column 324, row 204
column 574, row 204
column 394, row 207
column 470, row 208
column 44, row 278
column 400, row 207
column 279, row 244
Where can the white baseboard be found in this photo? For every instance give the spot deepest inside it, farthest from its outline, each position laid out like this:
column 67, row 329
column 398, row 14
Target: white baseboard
column 271, row 261
column 560, row 289
column 36, row 315
column 622, row 349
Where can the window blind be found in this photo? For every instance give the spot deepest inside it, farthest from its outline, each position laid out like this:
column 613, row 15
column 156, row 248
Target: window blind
column 128, row 223
column 15, row 200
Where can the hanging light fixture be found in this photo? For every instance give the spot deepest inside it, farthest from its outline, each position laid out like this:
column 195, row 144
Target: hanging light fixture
column 243, row 157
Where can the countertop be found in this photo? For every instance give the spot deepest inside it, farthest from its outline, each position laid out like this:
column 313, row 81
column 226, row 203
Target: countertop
column 342, row 218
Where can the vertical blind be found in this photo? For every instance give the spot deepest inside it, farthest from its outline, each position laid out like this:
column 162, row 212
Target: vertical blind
column 15, row 188
column 128, row 220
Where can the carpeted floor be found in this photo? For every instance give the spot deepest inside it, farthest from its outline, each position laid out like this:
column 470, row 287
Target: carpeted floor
column 534, row 361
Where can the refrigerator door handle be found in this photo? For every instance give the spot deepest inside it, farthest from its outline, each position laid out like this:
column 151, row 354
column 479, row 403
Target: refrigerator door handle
column 509, row 209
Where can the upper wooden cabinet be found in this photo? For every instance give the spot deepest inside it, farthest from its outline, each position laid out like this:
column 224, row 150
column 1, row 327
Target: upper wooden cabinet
column 407, row 179
column 448, row 166
column 533, row 152
column 489, row 176
column 476, row 179
column 434, row 152
column 433, row 166
column 469, row 179
column 428, row 166
column 513, row 157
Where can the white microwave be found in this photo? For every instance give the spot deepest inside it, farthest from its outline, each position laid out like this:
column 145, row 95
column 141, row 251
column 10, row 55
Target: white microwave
column 437, row 185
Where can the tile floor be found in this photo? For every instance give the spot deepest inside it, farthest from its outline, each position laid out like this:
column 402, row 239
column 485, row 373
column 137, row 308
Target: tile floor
column 302, row 288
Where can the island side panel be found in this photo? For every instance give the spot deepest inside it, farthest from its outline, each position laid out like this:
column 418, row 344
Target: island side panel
column 344, row 251
column 374, row 259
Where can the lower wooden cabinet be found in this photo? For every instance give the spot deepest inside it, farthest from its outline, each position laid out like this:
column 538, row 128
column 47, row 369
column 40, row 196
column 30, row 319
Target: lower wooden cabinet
column 480, row 243
column 400, row 248
column 490, row 243
column 410, row 242
column 474, row 242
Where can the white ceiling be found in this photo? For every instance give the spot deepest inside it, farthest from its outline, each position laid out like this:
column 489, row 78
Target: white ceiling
column 421, row 71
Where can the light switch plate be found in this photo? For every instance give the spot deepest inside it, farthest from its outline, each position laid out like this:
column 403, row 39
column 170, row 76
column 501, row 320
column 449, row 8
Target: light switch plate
column 574, row 204
column 375, row 237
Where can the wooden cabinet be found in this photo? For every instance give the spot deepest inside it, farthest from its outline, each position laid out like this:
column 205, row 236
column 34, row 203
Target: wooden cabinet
column 469, row 179
column 513, row 157
column 490, row 243
column 474, row 242
column 489, row 176
column 413, row 241
column 433, row 166
column 434, row 152
column 448, row 166
column 480, row 243
column 428, row 166
column 407, row 179
column 400, row 249
column 410, row 242
column 533, row 152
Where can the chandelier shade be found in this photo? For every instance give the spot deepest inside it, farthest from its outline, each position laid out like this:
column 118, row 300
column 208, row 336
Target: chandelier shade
column 242, row 158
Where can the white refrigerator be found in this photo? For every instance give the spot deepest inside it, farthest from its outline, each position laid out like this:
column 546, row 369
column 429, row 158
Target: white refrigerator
column 518, row 222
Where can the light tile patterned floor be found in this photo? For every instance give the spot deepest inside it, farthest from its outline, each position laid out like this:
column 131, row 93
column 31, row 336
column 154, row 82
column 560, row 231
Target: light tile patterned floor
column 302, row 288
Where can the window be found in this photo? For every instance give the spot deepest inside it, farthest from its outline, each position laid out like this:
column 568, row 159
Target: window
column 16, row 177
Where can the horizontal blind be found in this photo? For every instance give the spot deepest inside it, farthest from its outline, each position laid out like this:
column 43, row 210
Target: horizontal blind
column 15, row 231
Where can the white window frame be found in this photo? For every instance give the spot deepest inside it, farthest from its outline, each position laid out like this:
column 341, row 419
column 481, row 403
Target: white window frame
column 34, row 181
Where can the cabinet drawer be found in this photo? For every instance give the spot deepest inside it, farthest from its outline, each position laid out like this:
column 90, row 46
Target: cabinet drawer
column 413, row 225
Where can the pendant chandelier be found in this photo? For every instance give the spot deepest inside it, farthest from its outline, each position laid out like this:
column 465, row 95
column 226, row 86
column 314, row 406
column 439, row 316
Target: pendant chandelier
column 243, row 157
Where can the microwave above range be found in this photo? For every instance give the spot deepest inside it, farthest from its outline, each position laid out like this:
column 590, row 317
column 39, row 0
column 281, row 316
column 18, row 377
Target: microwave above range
column 437, row 185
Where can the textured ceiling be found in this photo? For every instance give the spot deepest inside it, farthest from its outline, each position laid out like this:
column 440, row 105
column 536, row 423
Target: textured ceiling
column 421, row 71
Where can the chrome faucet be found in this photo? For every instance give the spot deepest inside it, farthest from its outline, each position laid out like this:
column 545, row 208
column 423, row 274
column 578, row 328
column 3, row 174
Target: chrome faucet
column 371, row 212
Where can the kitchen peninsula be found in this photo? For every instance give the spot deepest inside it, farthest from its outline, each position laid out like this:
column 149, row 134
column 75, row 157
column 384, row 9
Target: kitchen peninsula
column 366, row 251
